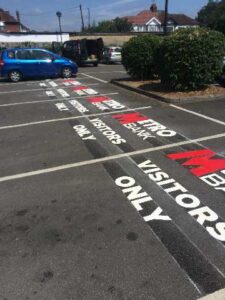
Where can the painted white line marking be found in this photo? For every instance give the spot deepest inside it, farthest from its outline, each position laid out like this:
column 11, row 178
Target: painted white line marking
column 198, row 114
column 21, row 91
column 63, row 93
column 52, row 83
column 72, row 118
column 69, row 83
column 32, row 90
column 47, row 100
column 105, row 72
column 91, row 92
column 42, row 84
column 31, row 82
column 98, row 79
column 50, row 93
column 107, row 158
column 80, row 93
column 218, row 295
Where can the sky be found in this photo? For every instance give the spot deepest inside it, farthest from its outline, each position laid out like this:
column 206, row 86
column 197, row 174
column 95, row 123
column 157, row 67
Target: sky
column 41, row 15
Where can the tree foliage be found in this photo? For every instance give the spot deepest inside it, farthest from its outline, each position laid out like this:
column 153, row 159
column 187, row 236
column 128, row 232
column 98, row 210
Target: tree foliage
column 191, row 58
column 213, row 15
column 111, row 26
column 138, row 56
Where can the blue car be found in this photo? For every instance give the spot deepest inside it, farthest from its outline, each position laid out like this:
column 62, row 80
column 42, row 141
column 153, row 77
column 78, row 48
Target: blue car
column 19, row 63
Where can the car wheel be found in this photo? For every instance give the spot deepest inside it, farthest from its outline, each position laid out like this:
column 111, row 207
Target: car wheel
column 95, row 64
column 15, row 76
column 66, row 72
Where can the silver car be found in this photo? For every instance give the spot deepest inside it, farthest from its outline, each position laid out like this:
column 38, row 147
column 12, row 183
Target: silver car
column 111, row 55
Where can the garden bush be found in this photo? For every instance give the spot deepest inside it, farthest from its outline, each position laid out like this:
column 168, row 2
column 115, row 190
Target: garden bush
column 191, row 58
column 138, row 56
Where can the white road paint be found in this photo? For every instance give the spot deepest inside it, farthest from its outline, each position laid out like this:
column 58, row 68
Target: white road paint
column 33, row 90
column 52, row 83
column 48, row 100
column 107, row 158
column 43, row 84
column 31, row 82
column 98, row 79
column 50, row 93
column 218, row 295
column 105, row 72
column 198, row 114
column 21, row 91
column 71, row 118
column 63, row 93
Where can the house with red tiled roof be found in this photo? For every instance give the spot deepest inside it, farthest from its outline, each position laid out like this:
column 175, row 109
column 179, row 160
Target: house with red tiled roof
column 9, row 23
column 152, row 20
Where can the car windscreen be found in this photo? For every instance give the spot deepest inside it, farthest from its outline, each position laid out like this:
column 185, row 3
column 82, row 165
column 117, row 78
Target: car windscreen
column 117, row 50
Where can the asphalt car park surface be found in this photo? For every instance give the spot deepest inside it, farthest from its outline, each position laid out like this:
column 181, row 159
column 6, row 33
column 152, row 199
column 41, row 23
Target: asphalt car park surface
column 107, row 194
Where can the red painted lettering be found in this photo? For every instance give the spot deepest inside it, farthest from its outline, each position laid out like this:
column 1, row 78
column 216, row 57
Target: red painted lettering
column 130, row 118
column 98, row 99
column 200, row 161
column 79, row 88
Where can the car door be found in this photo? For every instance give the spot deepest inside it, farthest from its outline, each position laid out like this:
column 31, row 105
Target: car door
column 25, row 63
column 46, row 64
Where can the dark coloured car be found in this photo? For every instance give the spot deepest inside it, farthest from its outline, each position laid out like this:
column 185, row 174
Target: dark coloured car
column 84, row 51
column 19, row 63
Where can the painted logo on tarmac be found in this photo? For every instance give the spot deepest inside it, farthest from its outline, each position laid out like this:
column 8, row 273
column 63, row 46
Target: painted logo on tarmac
column 104, row 103
column 205, row 164
column 204, row 215
column 84, row 90
column 143, row 126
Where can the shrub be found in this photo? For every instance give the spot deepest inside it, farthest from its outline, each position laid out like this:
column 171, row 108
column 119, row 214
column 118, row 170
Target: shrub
column 191, row 58
column 138, row 56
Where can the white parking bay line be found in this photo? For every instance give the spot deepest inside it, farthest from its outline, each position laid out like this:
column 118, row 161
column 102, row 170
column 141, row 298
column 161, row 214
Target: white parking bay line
column 96, row 78
column 107, row 158
column 50, row 100
column 198, row 114
column 72, row 118
column 21, row 91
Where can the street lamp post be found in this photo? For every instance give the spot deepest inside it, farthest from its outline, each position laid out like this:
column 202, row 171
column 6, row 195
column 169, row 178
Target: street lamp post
column 165, row 17
column 59, row 15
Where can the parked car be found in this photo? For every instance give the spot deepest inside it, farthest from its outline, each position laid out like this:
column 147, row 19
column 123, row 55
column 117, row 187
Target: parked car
column 111, row 54
column 84, row 51
column 19, row 63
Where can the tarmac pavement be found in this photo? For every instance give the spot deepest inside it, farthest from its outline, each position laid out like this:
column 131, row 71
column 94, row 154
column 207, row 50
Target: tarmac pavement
column 107, row 194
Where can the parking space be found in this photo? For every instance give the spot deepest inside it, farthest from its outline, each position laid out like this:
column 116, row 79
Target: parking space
column 107, row 194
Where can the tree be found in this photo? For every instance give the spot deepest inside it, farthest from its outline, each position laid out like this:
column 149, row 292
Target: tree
column 213, row 15
column 111, row 26
column 122, row 25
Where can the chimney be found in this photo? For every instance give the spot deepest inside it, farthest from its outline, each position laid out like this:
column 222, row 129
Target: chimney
column 18, row 16
column 153, row 8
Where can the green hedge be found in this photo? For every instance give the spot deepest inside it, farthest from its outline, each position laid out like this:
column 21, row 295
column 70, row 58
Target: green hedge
column 191, row 58
column 138, row 56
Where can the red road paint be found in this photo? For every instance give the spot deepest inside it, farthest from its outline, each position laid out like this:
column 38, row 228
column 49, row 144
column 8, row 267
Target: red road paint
column 130, row 118
column 200, row 161
column 79, row 88
column 98, row 99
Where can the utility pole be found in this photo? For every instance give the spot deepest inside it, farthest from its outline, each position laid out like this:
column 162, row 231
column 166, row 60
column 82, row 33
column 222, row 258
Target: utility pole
column 82, row 19
column 166, row 17
column 89, row 19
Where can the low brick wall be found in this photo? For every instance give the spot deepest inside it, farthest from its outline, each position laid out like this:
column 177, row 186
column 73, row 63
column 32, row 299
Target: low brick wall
column 115, row 39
